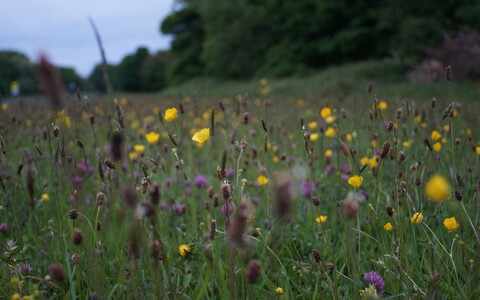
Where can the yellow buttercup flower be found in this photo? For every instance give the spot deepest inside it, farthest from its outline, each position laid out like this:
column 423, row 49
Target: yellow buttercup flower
column 328, row 153
column 382, row 105
column 417, row 218
column 45, row 197
column 435, row 135
column 152, row 137
column 437, row 188
column 312, row 125
column 262, row 180
column 16, row 296
column 437, row 147
column 477, row 150
column 170, row 114
column 364, row 161
column 202, row 136
column 139, row 148
column 279, row 291
column 314, row 137
column 451, row 224
column 325, row 112
column 321, row 219
column 330, row 119
column 183, row 250
column 373, row 162
column 330, row 132
column 388, row 227
column 349, row 137
column 355, row 181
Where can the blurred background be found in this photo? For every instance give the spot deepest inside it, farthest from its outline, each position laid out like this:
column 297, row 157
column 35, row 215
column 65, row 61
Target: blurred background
column 154, row 45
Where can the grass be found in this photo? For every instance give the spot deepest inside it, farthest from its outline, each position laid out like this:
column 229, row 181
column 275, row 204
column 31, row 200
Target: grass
column 348, row 81
column 153, row 235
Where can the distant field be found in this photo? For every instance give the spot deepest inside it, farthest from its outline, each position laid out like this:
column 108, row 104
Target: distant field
column 300, row 188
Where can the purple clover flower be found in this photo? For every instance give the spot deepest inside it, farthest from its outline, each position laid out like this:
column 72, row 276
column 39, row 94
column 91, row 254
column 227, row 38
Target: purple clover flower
column 200, row 181
column 308, row 188
column 376, row 280
column 25, row 268
column 85, row 168
column 3, row 228
column 230, row 173
column 255, row 200
column 329, row 169
column 227, row 209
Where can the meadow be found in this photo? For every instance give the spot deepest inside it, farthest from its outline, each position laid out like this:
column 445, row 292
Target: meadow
column 371, row 193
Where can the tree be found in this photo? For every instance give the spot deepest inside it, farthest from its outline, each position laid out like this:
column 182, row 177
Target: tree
column 186, row 27
column 152, row 72
column 128, row 71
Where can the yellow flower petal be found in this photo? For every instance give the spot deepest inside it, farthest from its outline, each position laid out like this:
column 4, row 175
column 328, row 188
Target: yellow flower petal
column 170, row 114
column 202, row 136
column 355, row 181
column 437, row 188
column 451, row 224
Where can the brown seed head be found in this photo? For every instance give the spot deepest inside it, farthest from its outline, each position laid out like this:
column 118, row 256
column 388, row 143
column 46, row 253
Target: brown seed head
column 156, row 250
column 73, row 214
column 448, row 73
column 75, row 258
column 253, row 271
column 100, row 199
column 316, row 255
column 50, row 82
column 56, row 130
column 116, row 146
column 56, row 272
column 77, row 237
column 213, row 228
column 109, row 163
column 385, row 149
column 389, row 210
column 458, row 195
column 155, row 191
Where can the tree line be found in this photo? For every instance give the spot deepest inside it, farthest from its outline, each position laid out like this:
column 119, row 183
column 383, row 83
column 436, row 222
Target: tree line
column 247, row 38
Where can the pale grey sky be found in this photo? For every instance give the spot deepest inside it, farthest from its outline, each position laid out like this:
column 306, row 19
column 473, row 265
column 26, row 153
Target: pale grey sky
column 61, row 29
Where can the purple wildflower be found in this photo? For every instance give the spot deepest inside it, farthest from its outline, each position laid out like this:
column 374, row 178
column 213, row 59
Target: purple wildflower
column 200, row 181
column 3, row 228
column 230, row 173
column 179, row 209
column 346, row 169
column 137, row 175
column 168, row 182
column 345, row 177
column 25, row 268
column 308, row 188
column 85, row 168
column 255, row 200
column 77, row 181
column 329, row 169
column 376, row 280
column 227, row 209
column 124, row 166
column 188, row 190
column 163, row 205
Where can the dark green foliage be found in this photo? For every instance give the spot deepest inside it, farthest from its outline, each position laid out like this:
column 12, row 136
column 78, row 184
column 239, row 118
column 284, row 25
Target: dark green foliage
column 15, row 66
column 128, row 71
column 152, row 72
column 97, row 81
column 188, row 28
column 241, row 39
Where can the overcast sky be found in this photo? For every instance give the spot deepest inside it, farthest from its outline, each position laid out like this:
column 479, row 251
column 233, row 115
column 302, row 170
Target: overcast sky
column 61, row 29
